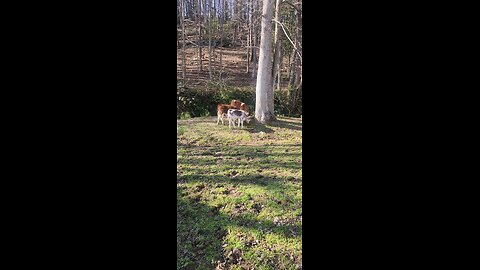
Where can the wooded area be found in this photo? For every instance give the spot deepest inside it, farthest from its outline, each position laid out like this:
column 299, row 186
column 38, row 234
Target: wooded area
column 239, row 189
column 218, row 46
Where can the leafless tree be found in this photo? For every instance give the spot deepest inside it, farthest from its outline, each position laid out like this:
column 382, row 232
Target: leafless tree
column 199, row 23
column 184, row 66
column 237, row 24
column 209, row 8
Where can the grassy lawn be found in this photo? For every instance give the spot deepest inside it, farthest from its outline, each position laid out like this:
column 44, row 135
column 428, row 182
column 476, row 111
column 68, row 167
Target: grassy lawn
column 239, row 195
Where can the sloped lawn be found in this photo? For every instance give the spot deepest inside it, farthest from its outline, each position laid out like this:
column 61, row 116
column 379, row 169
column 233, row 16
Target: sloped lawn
column 239, row 195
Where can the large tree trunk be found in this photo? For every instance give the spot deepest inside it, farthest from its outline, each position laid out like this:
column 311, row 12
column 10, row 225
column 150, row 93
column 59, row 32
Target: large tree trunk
column 263, row 112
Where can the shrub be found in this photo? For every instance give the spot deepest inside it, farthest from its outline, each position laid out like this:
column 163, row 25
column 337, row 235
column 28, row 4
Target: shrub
column 195, row 102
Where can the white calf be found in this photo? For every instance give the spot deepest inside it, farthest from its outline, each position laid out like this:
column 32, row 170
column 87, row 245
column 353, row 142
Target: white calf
column 234, row 114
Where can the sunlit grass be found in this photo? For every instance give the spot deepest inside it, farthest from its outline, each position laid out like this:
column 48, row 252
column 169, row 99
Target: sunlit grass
column 239, row 195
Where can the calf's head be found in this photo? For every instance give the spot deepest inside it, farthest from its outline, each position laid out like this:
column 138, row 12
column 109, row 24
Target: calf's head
column 236, row 103
column 244, row 107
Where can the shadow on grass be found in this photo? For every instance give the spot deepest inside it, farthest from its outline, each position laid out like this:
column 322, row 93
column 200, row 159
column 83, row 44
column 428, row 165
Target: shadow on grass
column 200, row 233
column 201, row 230
column 286, row 124
column 252, row 127
column 276, row 184
column 256, row 127
column 217, row 164
column 236, row 164
column 252, row 159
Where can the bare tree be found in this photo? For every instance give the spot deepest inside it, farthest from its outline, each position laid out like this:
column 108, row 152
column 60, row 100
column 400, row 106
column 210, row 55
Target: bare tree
column 298, row 78
column 222, row 6
column 254, row 47
column 178, row 24
column 199, row 21
column 256, row 37
column 209, row 8
column 263, row 112
column 276, row 57
column 182, row 11
column 297, row 42
column 189, row 7
column 235, row 16
column 294, row 37
column 249, row 36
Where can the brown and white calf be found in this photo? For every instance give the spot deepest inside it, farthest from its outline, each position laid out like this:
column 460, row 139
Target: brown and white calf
column 240, row 115
column 239, row 105
column 222, row 110
column 236, row 103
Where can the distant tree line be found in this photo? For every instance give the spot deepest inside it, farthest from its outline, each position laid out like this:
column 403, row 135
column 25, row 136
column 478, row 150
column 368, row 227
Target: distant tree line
column 210, row 24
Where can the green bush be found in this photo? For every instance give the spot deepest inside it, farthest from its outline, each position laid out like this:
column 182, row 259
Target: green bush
column 197, row 103
column 285, row 105
column 185, row 115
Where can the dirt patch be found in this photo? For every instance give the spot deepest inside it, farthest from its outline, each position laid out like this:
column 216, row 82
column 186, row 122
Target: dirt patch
column 233, row 69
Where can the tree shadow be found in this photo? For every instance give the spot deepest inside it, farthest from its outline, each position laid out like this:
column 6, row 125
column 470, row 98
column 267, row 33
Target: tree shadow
column 281, row 122
column 253, row 127
column 242, row 157
column 286, row 124
column 233, row 164
column 202, row 227
column 196, row 224
column 201, row 231
column 256, row 127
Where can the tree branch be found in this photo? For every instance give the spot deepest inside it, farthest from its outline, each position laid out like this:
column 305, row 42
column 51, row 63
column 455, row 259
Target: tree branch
column 295, row 47
column 288, row 2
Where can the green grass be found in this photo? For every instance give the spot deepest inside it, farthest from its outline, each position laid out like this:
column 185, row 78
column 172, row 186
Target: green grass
column 239, row 195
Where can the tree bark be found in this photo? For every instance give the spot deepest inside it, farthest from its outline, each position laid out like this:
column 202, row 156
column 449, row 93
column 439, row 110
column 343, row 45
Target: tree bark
column 209, row 8
column 276, row 57
column 199, row 21
column 235, row 11
column 178, row 13
column 189, row 10
column 297, row 41
column 292, row 69
column 222, row 7
column 184, row 69
column 214, row 32
column 249, row 36
column 254, row 51
column 263, row 112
